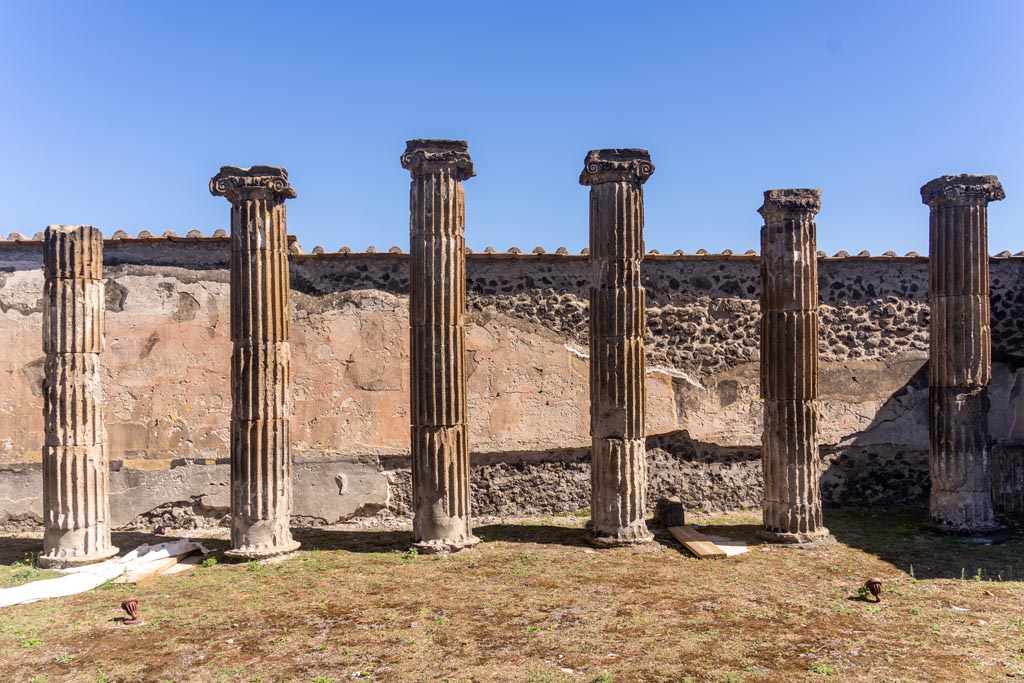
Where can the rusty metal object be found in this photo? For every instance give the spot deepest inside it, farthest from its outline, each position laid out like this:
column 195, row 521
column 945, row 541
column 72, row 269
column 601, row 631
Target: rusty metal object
column 874, row 587
column 131, row 608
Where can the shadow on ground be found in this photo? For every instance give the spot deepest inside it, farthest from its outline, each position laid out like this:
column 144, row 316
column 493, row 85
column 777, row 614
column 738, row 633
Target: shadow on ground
column 572, row 536
column 382, row 541
column 735, row 532
column 354, row 540
column 18, row 549
column 369, row 540
column 898, row 536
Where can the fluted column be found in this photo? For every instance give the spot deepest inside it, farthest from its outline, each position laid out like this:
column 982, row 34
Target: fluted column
column 789, row 368
column 960, row 351
column 76, row 515
column 437, row 307
column 618, row 466
column 261, row 463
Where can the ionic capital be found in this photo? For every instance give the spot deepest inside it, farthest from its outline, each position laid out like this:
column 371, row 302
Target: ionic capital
column 797, row 203
column 959, row 190
column 423, row 157
column 616, row 166
column 236, row 183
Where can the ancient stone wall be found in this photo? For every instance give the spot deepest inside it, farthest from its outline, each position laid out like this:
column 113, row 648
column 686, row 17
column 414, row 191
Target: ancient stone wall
column 169, row 402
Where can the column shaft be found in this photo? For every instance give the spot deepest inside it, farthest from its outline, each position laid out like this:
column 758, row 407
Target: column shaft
column 617, row 365
column 789, row 368
column 437, row 332
column 960, row 363
column 76, row 515
column 261, row 465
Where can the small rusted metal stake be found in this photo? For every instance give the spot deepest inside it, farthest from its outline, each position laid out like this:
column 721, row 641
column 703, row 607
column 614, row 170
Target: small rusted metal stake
column 874, row 586
column 131, row 607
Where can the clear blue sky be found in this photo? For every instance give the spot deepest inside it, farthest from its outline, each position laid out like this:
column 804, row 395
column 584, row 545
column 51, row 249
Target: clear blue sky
column 118, row 114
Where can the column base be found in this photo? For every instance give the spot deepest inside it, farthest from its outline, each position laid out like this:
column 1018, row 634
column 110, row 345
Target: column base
column 954, row 511
column 817, row 539
column 250, row 553
column 443, row 546
column 621, row 538
column 964, row 530
column 68, row 561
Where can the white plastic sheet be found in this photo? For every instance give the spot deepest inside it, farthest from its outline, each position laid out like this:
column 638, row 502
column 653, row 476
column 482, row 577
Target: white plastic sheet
column 81, row 579
column 729, row 546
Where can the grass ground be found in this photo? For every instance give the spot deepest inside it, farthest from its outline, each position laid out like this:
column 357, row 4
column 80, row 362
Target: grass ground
column 534, row 604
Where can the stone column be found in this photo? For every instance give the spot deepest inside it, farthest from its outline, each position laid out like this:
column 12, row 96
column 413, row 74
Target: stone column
column 437, row 307
column 618, row 466
column 76, row 510
column 261, row 464
column 960, row 351
column 789, row 368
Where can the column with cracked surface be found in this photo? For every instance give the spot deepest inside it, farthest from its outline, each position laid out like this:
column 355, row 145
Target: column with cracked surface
column 960, row 364
column 789, row 368
column 76, row 511
column 617, row 365
column 261, row 464
column 437, row 306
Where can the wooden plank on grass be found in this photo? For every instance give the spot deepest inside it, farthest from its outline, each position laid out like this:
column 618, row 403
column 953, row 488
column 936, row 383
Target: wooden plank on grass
column 185, row 564
column 696, row 542
column 157, row 571
column 146, row 573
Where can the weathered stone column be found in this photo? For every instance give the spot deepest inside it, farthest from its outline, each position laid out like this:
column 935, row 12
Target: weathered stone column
column 261, row 463
column 960, row 351
column 437, row 307
column 76, row 513
column 618, row 466
column 789, row 368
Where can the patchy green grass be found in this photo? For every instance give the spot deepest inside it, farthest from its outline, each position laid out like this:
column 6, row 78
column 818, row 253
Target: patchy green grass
column 23, row 571
column 533, row 603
